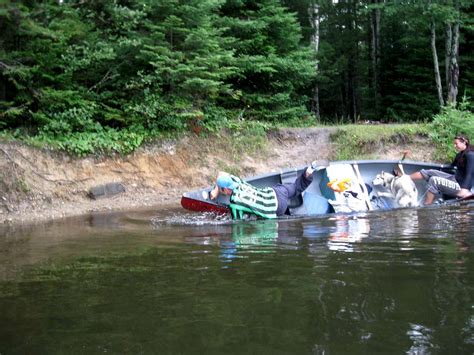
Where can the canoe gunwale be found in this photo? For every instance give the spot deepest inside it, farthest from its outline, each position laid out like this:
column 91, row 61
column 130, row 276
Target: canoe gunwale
column 195, row 200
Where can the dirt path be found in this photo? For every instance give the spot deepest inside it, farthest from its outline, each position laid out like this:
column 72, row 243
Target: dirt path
column 38, row 185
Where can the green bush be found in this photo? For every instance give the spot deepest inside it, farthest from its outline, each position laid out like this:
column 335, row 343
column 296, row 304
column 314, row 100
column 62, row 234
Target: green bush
column 71, row 120
column 450, row 122
column 103, row 140
column 215, row 119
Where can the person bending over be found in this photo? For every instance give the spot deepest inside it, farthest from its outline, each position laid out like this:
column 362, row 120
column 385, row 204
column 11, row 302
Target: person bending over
column 454, row 185
column 267, row 202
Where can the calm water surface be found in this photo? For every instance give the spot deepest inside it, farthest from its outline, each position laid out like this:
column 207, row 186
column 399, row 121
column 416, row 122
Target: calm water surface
column 168, row 282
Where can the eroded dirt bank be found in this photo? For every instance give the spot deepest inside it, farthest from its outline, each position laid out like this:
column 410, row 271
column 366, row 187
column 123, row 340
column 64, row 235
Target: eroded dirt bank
column 37, row 185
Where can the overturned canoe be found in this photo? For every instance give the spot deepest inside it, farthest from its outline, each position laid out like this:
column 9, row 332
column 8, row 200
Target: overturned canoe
column 362, row 194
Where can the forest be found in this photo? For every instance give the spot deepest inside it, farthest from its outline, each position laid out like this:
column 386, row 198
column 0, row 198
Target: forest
column 88, row 75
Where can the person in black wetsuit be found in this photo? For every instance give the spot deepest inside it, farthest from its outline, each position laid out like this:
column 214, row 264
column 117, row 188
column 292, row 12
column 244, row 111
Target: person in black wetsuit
column 455, row 185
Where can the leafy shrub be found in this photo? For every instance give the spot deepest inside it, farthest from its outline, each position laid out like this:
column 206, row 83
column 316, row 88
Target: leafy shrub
column 71, row 120
column 214, row 119
column 247, row 137
column 447, row 124
column 103, row 140
column 156, row 113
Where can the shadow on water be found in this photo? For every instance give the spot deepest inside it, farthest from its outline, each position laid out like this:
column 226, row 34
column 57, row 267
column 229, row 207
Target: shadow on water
column 169, row 281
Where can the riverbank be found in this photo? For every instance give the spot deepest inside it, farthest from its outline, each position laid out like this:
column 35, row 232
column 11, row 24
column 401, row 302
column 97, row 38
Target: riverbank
column 38, row 185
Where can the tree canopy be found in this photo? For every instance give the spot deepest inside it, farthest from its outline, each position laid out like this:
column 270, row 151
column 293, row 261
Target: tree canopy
column 79, row 70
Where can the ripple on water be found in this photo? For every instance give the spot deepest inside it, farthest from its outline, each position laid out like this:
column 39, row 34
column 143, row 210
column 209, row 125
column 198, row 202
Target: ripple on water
column 421, row 337
column 197, row 219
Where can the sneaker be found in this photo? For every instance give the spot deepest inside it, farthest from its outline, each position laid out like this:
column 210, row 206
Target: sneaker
column 319, row 164
column 312, row 167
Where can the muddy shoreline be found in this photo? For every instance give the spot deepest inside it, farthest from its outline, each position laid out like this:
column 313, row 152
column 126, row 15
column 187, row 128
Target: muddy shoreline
column 37, row 185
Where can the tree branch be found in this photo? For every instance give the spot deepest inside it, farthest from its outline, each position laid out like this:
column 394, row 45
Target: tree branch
column 106, row 77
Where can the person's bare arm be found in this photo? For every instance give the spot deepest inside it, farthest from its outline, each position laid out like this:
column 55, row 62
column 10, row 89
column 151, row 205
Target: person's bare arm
column 416, row 176
column 214, row 192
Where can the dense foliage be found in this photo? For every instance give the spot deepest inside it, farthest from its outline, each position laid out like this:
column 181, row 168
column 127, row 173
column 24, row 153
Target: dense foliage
column 449, row 123
column 106, row 75
column 375, row 58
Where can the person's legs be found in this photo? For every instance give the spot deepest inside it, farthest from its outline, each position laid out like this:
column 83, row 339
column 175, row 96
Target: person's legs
column 285, row 192
column 429, row 198
column 417, row 176
column 426, row 174
column 281, row 192
column 438, row 182
column 441, row 185
column 300, row 184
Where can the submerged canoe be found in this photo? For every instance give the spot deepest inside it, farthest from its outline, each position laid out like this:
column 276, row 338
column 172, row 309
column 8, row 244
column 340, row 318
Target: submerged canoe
column 318, row 198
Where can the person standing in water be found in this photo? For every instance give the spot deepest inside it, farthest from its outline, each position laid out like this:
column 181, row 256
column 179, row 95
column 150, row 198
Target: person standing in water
column 458, row 184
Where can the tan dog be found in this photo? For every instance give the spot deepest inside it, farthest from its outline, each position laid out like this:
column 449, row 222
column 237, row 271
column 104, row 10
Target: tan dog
column 400, row 188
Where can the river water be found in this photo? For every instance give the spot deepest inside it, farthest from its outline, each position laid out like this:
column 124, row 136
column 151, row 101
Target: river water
column 165, row 281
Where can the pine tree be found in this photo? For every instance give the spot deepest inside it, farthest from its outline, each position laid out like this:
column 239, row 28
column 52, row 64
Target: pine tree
column 275, row 70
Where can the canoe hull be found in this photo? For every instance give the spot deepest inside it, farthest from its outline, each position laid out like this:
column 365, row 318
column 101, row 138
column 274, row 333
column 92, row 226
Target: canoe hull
column 316, row 198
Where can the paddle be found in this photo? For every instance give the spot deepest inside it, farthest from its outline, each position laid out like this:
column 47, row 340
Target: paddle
column 355, row 166
column 400, row 165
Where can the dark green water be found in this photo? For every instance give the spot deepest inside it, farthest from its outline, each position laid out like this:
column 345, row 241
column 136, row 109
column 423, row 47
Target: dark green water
column 168, row 282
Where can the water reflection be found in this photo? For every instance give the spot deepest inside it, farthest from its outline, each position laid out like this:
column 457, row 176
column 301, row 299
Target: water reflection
column 348, row 231
column 340, row 232
column 257, row 237
column 468, row 330
column 170, row 282
column 421, row 337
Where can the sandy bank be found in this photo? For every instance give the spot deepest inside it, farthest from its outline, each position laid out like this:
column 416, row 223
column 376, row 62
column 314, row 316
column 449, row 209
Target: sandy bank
column 38, row 185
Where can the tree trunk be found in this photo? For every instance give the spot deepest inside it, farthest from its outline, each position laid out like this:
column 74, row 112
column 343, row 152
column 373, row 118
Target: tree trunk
column 375, row 53
column 454, row 67
column 3, row 82
column 354, row 101
column 354, row 65
column 315, row 102
column 2, row 90
column 343, row 95
column 439, row 86
column 314, row 21
column 448, row 43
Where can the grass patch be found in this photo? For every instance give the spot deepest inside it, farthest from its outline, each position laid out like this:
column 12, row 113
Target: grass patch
column 359, row 141
column 231, row 169
column 22, row 186
column 245, row 138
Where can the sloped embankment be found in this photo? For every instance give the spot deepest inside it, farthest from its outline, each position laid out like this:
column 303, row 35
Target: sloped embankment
column 38, row 184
